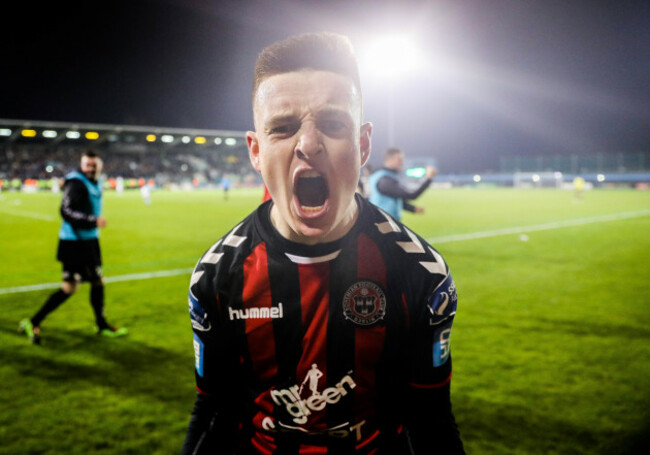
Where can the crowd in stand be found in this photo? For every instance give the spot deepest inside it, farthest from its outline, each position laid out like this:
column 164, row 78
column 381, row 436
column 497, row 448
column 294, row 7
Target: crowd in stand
column 163, row 167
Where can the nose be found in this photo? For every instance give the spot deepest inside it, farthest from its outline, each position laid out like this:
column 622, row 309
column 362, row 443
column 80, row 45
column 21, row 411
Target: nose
column 309, row 143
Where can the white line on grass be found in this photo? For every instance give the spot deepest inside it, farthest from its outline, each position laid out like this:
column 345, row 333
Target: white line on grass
column 35, row 215
column 538, row 227
column 434, row 241
column 113, row 279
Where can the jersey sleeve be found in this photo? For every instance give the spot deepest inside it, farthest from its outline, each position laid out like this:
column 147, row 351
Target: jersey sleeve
column 213, row 421
column 430, row 421
column 393, row 188
column 73, row 205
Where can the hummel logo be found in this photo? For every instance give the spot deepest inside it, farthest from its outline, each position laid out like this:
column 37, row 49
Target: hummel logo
column 257, row 313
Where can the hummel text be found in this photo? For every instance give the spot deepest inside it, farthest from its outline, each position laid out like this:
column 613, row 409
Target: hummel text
column 257, row 313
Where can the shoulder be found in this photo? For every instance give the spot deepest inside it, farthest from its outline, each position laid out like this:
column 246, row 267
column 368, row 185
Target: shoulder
column 74, row 175
column 394, row 235
column 383, row 173
column 226, row 255
column 74, row 185
column 412, row 258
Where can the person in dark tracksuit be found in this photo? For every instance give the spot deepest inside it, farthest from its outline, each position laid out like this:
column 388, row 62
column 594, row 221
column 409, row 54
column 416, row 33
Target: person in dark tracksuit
column 78, row 249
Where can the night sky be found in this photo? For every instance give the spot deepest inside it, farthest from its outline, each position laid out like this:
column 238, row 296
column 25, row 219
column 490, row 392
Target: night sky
column 504, row 77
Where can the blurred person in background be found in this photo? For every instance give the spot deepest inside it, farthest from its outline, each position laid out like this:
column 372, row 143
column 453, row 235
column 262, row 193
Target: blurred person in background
column 78, row 248
column 225, row 183
column 386, row 191
column 578, row 187
column 320, row 324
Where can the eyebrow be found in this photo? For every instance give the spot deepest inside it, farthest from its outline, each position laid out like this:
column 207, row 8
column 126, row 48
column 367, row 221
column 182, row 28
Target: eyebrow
column 325, row 112
column 334, row 112
column 279, row 120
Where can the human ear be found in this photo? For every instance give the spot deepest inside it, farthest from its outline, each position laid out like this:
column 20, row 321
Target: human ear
column 364, row 142
column 253, row 150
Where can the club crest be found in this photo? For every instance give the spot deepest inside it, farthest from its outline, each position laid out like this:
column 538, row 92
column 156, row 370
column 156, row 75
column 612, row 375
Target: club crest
column 364, row 303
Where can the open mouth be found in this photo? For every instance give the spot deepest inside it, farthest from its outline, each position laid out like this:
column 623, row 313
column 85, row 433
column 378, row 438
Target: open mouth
column 311, row 192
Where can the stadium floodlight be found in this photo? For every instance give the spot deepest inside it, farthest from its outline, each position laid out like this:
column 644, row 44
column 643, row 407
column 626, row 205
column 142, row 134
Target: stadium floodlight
column 600, row 177
column 167, row 138
column 49, row 168
column 50, row 134
column 231, row 141
column 28, row 133
column 218, row 140
column 73, row 134
column 186, row 140
column 92, row 135
column 387, row 60
column 5, row 132
column 476, row 178
column 390, row 57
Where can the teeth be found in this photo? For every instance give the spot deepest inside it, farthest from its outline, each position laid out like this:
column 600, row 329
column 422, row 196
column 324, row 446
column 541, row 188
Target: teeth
column 311, row 209
column 309, row 173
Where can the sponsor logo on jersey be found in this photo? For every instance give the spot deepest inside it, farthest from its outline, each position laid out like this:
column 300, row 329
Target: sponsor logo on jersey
column 441, row 345
column 300, row 401
column 443, row 300
column 343, row 430
column 198, row 355
column 364, row 303
column 198, row 315
column 257, row 313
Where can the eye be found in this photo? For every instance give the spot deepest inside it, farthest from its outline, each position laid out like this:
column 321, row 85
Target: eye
column 283, row 129
column 332, row 127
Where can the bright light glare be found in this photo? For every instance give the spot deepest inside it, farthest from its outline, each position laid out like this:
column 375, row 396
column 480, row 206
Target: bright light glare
column 231, row 141
column 601, row 177
column 73, row 135
column 49, row 134
column 218, row 140
column 167, row 138
column 416, row 172
column 390, row 57
column 5, row 132
column 476, row 178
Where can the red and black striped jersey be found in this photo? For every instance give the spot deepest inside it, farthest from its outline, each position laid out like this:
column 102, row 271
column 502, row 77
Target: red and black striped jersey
column 330, row 348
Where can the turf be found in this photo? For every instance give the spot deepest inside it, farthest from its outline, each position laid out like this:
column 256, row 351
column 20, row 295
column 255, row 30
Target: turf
column 551, row 342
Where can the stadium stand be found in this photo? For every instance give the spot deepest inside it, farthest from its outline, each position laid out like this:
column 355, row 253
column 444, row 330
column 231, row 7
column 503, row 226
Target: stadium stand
column 31, row 150
column 33, row 154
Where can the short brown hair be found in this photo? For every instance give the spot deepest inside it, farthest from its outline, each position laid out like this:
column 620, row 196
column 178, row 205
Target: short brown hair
column 316, row 51
column 391, row 152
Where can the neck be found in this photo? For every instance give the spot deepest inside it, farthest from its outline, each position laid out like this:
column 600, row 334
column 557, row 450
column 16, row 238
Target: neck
column 339, row 230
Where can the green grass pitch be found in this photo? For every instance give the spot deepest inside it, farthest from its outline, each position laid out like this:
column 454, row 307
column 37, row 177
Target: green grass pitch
column 551, row 342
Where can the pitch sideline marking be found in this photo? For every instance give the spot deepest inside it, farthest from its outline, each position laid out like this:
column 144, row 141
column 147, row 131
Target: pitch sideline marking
column 34, row 215
column 538, row 227
column 434, row 241
column 113, row 279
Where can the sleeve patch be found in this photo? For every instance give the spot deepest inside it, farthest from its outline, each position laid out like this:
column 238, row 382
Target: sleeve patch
column 198, row 315
column 441, row 345
column 443, row 301
column 198, row 355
